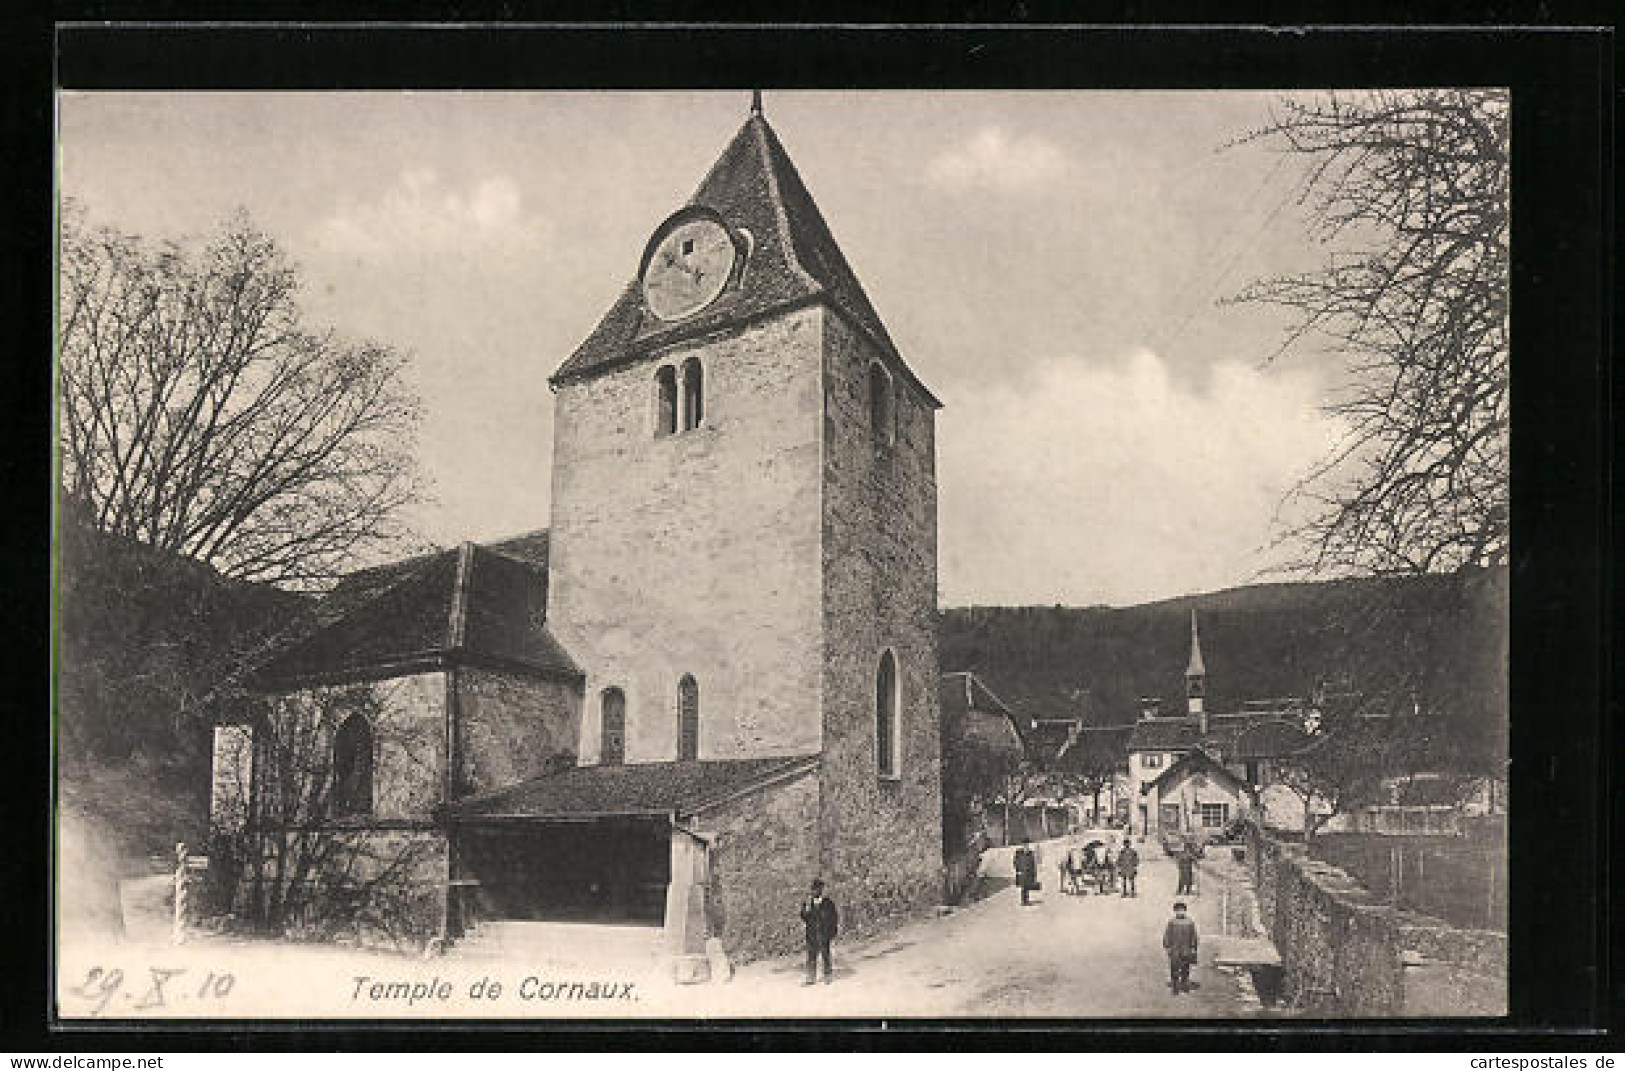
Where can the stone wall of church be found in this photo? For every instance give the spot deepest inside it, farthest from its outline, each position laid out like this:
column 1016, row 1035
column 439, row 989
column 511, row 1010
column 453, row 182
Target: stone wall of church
column 508, row 725
column 376, row 878
column 698, row 552
column 881, row 837
column 763, row 856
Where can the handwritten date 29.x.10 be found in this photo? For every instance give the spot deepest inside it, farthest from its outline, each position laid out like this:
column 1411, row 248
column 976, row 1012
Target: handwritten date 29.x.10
column 163, row 988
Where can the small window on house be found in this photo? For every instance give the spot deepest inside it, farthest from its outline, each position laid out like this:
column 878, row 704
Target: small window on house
column 1215, row 815
column 693, row 394
column 352, row 767
column 882, row 417
column 887, row 738
column 1151, row 761
column 688, row 718
column 612, row 750
column 665, row 401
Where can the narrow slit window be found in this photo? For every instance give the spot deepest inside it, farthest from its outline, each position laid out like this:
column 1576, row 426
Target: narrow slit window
column 688, row 718
column 693, row 394
column 612, row 751
column 886, row 721
column 665, row 401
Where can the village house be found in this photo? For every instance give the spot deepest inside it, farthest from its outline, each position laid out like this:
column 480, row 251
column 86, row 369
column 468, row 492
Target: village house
column 1199, row 771
column 712, row 679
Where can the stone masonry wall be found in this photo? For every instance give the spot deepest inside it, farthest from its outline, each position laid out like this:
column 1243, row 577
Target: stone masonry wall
column 696, row 552
column 1344, row 952
column 508, row 725
column 374, row 879
column 881, row 838
column 763, row 856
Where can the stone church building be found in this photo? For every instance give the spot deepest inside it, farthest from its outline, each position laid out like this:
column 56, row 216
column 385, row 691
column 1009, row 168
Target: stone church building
column 710, row 680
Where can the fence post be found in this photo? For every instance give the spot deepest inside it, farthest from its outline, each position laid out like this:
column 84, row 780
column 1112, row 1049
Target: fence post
column 177, row 933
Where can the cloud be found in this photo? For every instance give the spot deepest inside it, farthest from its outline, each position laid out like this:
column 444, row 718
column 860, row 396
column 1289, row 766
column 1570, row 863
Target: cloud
column 421, row 216
column 1119, row 483
column 992, row 160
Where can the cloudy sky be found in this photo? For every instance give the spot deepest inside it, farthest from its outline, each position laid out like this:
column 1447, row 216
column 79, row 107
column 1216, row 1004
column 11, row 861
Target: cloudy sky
column 1050, row 265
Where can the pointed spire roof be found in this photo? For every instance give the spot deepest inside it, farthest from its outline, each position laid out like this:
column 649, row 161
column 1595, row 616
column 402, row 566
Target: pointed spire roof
column 1196, row 668
column 793, row 260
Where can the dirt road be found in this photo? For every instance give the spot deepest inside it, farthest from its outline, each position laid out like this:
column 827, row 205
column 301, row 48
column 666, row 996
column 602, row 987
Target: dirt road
column 1064, row 956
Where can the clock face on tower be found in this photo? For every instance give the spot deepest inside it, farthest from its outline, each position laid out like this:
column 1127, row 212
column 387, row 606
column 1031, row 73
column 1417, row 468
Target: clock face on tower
column 689, row 267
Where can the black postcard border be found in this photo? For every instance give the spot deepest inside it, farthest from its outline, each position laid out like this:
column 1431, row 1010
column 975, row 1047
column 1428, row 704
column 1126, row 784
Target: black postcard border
column 1562, row 648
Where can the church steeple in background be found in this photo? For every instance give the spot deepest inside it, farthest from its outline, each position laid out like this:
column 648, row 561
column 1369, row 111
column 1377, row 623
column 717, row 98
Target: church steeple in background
column 1196, row 677
column 756, row 102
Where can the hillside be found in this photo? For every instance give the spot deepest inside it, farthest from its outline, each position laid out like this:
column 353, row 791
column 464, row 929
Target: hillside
column 142, row 638
column 1258, row 642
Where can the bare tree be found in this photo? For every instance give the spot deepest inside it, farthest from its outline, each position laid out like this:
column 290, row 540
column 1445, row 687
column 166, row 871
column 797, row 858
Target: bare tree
column 297, row 825
column 1410, row 189
column 1340, row 768
column 199, row 414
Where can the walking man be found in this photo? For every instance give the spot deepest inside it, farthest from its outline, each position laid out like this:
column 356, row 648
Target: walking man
column 1186, row 858
column 1026, row 872
column 1128, row 865
column 818, row 915
column 1179, row 941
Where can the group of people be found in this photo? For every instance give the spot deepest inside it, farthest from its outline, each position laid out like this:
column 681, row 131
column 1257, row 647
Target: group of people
column 1082, row 866
column 1077, row 867
column 1093, row 862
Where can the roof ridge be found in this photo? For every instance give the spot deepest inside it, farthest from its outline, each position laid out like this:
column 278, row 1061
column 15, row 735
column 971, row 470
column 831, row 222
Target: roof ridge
column 781, row 212
column 457, row 616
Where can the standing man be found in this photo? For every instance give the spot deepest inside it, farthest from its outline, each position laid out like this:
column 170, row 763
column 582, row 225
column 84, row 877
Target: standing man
column 1128, row 865
column 1179, row 941
column 818, row 915
column 1025, row 865
column 1186, row 858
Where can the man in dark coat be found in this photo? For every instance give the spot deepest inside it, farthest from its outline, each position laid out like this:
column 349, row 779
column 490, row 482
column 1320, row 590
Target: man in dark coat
column 1179, row 941
column 1026, row 872
column 1186, row 858
column 818, row 915
column 1128, row 865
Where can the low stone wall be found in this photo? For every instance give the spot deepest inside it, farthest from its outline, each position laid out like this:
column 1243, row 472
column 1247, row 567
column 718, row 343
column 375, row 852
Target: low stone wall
column 1346, row 953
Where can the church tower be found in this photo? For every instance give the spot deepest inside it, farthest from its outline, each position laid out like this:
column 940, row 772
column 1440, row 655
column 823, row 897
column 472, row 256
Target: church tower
column 743, row 539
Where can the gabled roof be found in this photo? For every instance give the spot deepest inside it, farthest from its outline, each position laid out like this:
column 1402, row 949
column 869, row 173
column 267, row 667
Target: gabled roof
column 630, row 790
column 793, row 259
column 1189, row 763
column 973, row 716
column 468, row 606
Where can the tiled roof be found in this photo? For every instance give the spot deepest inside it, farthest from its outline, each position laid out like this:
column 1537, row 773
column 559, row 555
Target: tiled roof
column 529, row 547
column 793, row 259
column 972, row 715
column 641, row 788
column 1163, row 734
column 1195, row 760
column 470, row 605
column 1259, row 735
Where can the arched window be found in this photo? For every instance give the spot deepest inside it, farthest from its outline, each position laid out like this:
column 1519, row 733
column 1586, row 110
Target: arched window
column 887, row 739
column 688, row 718
column 352, row 767
column 882, row 419
column 693, row 394
column 612, row 751
column 665, row 401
